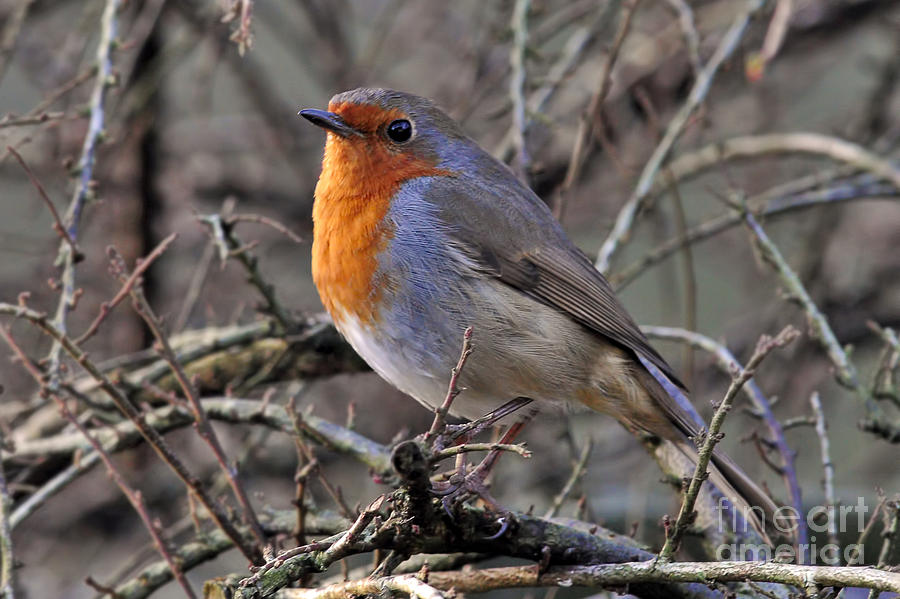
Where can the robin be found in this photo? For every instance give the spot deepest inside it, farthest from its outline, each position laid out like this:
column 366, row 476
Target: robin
column 419, row 233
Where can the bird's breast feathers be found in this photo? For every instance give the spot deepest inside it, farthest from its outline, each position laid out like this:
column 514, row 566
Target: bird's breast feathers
column 354, row 193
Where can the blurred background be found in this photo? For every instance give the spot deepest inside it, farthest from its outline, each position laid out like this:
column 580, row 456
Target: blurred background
column 202, row 110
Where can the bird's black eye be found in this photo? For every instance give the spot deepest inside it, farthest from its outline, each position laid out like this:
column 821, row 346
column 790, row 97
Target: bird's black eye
column 400, row 130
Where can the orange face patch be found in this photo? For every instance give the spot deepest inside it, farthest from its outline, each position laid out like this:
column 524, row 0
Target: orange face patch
column 360, row 176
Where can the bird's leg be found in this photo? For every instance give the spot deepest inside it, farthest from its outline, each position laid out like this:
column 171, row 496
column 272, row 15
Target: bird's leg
column 475, row 482
column 487, row 464
column 470, row 429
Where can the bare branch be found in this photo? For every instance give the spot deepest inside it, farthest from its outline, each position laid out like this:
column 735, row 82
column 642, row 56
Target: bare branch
column 440, row 414
column 628, row 212
column 7, row 555
column 123, row 403
column 517, row 54
column 57, row 223
column 594, row 111
column 728, row 364
column 619, row 575
column 820, row 330
column 827, row 466
column 712, row 437
column 96, row 123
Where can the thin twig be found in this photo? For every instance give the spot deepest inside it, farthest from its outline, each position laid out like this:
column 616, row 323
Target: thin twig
column 124, row 404
column 884, row 380
column 201, row 271
column 440, row 414
column 57, row 223
column 11, row 30
column 579, row 42
column 312, row 462
column 686, row 515
column 7, row 555
column 702, row 85
column 764, row 206
column 820, row 330
column 203, row 425
column 689, row 31
column 134, row 279
column 728, row 364
column 519, row 26
column 827, row 467
column 265, row 220
column 229, row 245
column 752, row 146
column 856, row 555
column 891, row 532
column 134, row 497
column 778, row 26
column 168, row 418
column 690, row 279
column 517, row 448
column 336, row 550
column 96, row 123
column 25, row 121
column 593, row 113
column 578, row 471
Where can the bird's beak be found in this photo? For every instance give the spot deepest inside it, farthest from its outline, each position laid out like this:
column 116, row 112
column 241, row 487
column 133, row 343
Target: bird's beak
column 329, row 121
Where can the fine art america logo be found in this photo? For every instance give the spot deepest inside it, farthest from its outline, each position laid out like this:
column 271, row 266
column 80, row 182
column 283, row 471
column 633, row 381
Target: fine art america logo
column 824, row 524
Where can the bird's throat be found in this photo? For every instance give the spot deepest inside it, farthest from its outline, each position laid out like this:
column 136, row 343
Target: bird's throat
column 354, row 193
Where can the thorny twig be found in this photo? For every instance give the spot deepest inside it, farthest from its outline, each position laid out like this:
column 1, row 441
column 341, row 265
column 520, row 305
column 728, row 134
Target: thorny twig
column 628, row 212
column 685, row 516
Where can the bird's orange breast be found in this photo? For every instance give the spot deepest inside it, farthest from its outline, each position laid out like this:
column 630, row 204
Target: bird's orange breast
column 359, row 178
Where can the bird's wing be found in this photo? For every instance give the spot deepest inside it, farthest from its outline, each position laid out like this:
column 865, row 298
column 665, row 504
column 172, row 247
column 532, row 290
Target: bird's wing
column 520, row 243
